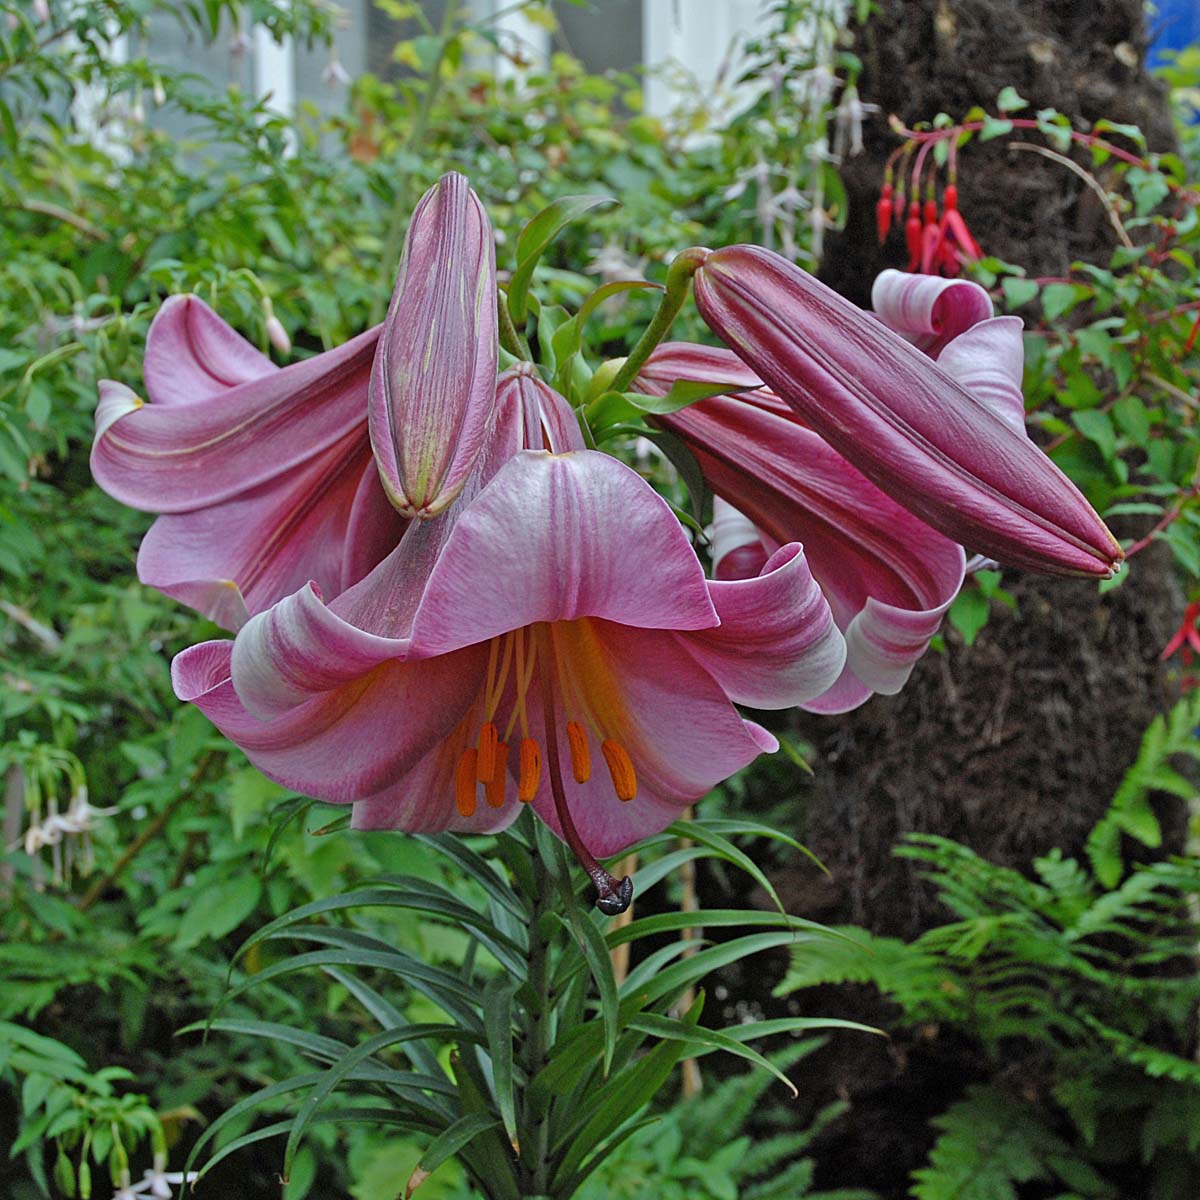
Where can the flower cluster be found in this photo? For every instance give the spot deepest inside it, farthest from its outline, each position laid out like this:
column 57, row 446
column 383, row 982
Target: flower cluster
column 445, row 606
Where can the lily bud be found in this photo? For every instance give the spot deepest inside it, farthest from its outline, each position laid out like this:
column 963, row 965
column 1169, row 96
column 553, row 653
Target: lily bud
column 923, row 432
column 433, row 382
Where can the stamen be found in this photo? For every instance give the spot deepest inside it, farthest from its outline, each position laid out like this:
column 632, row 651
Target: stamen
column 489, row 739
column 530, row 773
column 464, row 782
column 493, row 694
column 581, row 759
column 495, row 791
column 524, row 675
column 620, row 767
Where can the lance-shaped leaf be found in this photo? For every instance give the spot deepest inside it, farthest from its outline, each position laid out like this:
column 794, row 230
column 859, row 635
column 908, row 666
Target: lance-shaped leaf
column 433, row 383
column 921, row 430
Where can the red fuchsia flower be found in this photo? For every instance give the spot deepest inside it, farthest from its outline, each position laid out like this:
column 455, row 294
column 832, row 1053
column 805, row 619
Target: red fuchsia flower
column 945, row 439
column 1187, row 637
column 550, row 639
column 888, row 577
column 433, row 382
column 264, row 475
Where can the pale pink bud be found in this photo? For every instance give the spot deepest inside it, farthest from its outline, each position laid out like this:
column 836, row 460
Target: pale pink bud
column 277, row 335
column 433, row 383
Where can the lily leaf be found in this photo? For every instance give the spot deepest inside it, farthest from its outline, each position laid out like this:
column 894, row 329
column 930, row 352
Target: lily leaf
column 538, row 233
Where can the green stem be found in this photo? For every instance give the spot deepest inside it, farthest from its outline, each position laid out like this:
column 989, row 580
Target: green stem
column 510, row 339
column 535, row 1167
column 679, row 278
column 400, row 209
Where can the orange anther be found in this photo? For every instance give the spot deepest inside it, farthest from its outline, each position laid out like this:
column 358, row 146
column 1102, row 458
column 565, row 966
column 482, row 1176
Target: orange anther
column 496, row 789
column 488, row 741
column 529, row 773
column 464, row 782
column 624, row 778
column 581, row 759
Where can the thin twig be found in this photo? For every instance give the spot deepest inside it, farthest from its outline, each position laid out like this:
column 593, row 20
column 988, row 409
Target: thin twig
column 1088, row 178
column 46, row 209
column 150, row 831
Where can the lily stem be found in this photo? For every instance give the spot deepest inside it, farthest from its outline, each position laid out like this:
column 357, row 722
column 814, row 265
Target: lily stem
column 510, row 339
column 679, row 278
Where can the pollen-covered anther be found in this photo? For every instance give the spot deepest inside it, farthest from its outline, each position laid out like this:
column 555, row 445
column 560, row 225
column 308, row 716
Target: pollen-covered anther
column 581, row 759
column 489, row 740
column 529, row 773
column 620, row 767
column 464, row 782
column 495, row 790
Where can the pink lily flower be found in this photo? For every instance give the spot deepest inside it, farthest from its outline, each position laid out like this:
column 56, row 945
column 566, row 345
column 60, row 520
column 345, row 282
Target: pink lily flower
column 940, row 437
column 550, row 639
column 433, row 384
column 264, row 475
column 888, row 576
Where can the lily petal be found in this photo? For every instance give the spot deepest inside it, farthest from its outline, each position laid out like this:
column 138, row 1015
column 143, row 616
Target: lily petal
column 682, row 732
column 989, row 361
column 191, row 354
column 556, row 537
column 777, row 645
column 927, row 310
column 344, row 744
column 177, row 457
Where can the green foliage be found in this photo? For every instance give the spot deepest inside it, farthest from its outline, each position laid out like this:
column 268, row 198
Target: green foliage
column 1079, row 986
column 533, row 1042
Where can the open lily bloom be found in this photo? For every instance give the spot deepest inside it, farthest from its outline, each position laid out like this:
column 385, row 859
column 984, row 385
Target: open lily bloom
column 945, row 439
column 264, row 474
column 550, row 639
column 888, row 576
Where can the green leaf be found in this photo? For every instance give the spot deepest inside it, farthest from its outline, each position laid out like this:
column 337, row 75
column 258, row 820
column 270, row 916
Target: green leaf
column 1059, row 298
column 683, row 392
column 446, row 1145
column 1018, row 291
column 725, row 849
column 538, row 233
column 992, row 128
column 595, row 952
column 497, row 1024
column 218, row 909
column 1097, row 427
column 1009, row 101
column 969, row 613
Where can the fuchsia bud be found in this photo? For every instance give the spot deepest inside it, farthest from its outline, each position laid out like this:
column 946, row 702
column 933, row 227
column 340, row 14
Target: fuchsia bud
column 883, row 212
column 912, row 235
column 926, row 433
column 433, row 384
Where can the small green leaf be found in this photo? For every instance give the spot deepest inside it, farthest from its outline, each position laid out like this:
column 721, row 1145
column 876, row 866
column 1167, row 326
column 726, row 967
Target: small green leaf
column 1009, row 101
column 1059, row 298
column 220, row 907
column 1018, row 291
column 1097, row 427
column 683, row 392
column 969, row 613
column 992, row 128
column 497, row 1024
column 446, row 1145
column 538, row 233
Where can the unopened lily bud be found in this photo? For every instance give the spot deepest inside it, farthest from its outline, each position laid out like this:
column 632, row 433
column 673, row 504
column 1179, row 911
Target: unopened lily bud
column 927, row 433
column 433, row 383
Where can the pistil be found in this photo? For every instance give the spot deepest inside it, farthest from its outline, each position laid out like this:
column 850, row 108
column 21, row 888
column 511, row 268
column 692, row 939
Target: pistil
column 614, row 895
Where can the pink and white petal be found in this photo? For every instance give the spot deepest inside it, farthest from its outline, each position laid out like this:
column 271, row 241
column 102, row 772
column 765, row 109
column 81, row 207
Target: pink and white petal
column 422, row 801
column 989, row 361
column 179, row 457
column 845, row 696
column 929, row 311
column 373, row 529
column 298, row 649
column 192, row 355
column 679, row 728
column 777, row 645
column 884, row 642
column 737, row 548
column 269, row 541
column 344, row 744
column 554, row 537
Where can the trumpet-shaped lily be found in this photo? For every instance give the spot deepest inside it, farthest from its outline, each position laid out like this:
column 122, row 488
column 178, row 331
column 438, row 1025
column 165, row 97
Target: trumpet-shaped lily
column 888, row 576
column 433, row 384
column 944, row 437
column 264, row 475
column 551, row 639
